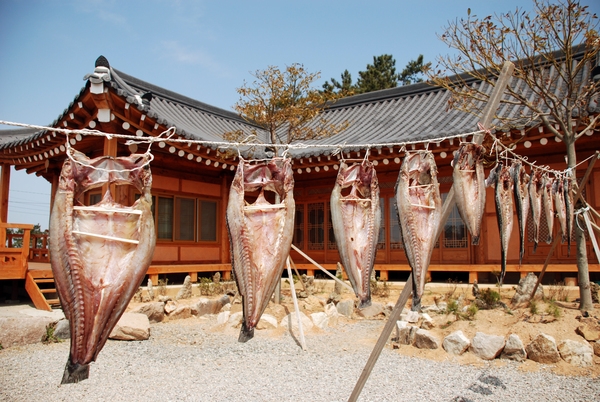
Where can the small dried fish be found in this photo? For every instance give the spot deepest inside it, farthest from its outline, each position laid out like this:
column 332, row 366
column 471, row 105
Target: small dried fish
column 260, row 233
column 99, row 254
column 563, row 202
column 469, row 187
column 548, row 203
column 521, row 189
column 504, row 210
column 356, row 218
column 419, row 207
column 535, row 196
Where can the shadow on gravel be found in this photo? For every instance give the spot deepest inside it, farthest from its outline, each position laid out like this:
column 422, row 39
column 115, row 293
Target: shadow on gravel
column 296, row 340
column 485, row 385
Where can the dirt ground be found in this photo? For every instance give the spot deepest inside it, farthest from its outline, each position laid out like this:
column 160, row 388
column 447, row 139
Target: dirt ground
column 498, row 321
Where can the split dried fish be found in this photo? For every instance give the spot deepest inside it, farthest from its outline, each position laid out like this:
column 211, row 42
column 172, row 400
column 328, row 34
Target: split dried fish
column 356, row 218
column 419, row 207
column 548, row 202
column 469, row 187
column 99, row 254
column 521, row 189
column 536, row 187
column 260, row 233
column 504, row 210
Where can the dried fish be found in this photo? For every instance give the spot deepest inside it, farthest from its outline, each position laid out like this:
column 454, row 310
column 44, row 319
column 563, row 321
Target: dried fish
column 419, row 207
column 535, row 198
column 504, row 210
column 569, row 207
column 548, row 202
column 469, row 187
column 356, row 218
column 260, row 233
column 563, row 202
column 99, row 254
column 520, row 180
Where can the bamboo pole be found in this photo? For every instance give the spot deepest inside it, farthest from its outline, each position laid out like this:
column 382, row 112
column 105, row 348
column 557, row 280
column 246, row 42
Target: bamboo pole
column 296, row 308
column 486, row 120
column 316, row 264
column 543, row 271
column 297, row 273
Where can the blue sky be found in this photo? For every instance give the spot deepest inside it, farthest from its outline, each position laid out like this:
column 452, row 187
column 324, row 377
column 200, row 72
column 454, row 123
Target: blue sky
column 201, row 49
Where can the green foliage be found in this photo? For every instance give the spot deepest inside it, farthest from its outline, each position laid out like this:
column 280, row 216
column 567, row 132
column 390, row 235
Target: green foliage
column 49, row 336
column 490, row 297
column 162, row 286
column 533, row 307
column 471, row 311
column 1, row 347
column 553, row 310
column 452, row 307
column 413, row 71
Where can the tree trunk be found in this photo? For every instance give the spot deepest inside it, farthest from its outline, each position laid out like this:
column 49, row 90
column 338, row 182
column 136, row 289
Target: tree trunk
column 583, row 274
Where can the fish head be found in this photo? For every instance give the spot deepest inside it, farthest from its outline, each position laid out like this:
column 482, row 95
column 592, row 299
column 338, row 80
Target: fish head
column 360, row 178
column 273, row 176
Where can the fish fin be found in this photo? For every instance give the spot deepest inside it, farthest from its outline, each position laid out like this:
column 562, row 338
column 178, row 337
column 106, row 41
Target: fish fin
column 75, row 372
column 245, row 333
column 535, row 243
column 364, row 303
column 549, row 239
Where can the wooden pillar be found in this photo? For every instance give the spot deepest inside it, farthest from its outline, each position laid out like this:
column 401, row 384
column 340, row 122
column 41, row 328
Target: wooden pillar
column 473, row 276
column 383, row 275
column 310, row 272
column 4, row 188
column 523, row 274
column 110, row 149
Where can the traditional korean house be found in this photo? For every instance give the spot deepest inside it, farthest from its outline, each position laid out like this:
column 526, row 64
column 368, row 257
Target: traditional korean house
column 191, row 177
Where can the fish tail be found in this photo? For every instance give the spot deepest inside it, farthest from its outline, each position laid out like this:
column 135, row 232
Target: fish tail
column 503, row 267
column 75, row 372
column 535, row 243
column 549, row 239
column 246, row 333
column 475, row 240
column 364, row 303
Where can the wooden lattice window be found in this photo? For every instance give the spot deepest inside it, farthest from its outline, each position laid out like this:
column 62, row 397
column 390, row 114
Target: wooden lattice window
column 316, row 226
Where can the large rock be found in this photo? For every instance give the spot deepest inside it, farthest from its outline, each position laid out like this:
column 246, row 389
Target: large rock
column 590, row 331
column 223, row 317
column 596, row 347
column 186, row 290
column 22, row 330
column 523, row 291
column 181, row 312
column 372, row 311
column 425, row 340
column 170, row 306
column 456, row 343
column 405, row 334
column 576, row 353
column 346, row 307
column 291, row 320
column 155, row 311
column 131, row 327
column 267, row 321
column 427, row 321
column 209, row 306
column 332, row 313
column 486, row 347
column 62, row 329
column 235, row 320
column 514, row 349
column 320, row 319
column 543, row 349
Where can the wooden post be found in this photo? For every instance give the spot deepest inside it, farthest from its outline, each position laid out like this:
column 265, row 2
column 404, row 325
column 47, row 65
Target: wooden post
column 4, row 189
column 110, row 149
column 473, row 277
column 486, row 120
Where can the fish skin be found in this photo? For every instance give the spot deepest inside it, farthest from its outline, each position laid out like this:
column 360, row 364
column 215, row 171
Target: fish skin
column 558, row 196
column 504, row 211
column 569, row 209
column 260, row 234
column 520, row 180
column 418, row 224
column 356, row 219
column 469, row 187
column 535, row 201
column 96, row 278
column 548, row 204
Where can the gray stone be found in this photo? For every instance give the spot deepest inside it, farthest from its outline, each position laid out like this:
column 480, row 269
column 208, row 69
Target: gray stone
column 170, row 306
column 223, row 317
column 543, row 349
column 430, row 309
column 372, row 311
column 164, row 298
column 425, row 340
column 216, row 277
column 210, row 306
column 596, row 347
column 346, row 307
column 337, row 287
column 22, row 330
column 405, row 334
column 333, row 314
column 320, row 319
column 427, row 322
column 442, row 306
column 186, row 290
column 589, row 330
column 131, row 327
column 137, row 297
column 291, row 320
column 181, row 312
column 486, row 347
column 267, row 321
column 524, row 289
column 576, row 353
column 456, row 343
column 514, row 349
column 235, row 320
column 62, row 329
column 412, row 317
column 155, row 311
column 150, row 289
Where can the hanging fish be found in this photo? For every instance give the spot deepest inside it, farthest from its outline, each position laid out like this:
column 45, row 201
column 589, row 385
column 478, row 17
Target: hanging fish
column 520, row 180
column 548, row 203
column 569, row 209
column 419, row 207
column 469, row 187
column 535, row 198
column 560, row 204
column 260, row 233
column 99, row 254
column 356, row 219
column 504, row 210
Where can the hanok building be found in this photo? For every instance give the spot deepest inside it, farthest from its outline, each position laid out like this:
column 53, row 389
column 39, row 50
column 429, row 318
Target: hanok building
column 191, row 179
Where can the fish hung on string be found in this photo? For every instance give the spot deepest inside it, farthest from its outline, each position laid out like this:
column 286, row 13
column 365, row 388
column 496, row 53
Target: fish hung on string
column 521, row 191
column 356, row 218
column 419, row 207
column 536, row 187
column 260, row 233
column 563, row 203
column 548, row 204
column 503, row 194
column 99, row 254
column 469, row 187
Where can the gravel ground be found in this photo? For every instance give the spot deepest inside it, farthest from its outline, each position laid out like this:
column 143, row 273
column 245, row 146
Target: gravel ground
column 186, row 360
